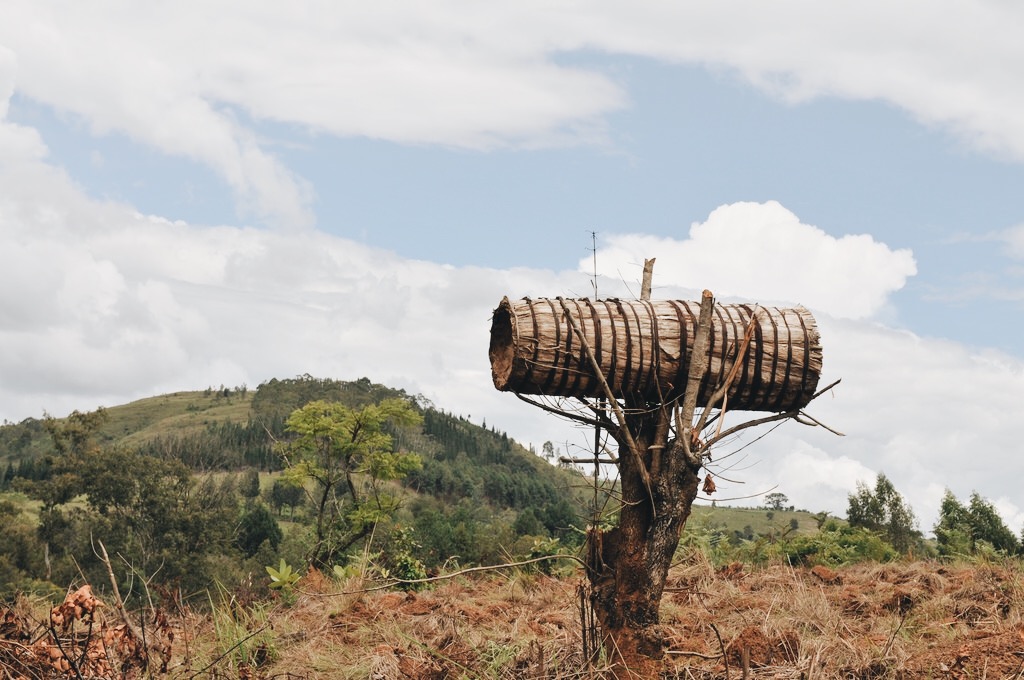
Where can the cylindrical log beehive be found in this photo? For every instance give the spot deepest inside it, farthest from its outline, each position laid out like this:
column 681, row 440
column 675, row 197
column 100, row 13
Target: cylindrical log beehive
column 644, row 350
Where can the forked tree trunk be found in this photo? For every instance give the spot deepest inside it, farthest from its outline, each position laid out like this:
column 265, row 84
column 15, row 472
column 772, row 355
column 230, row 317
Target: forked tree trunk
column 653, row 363
column 628, row 565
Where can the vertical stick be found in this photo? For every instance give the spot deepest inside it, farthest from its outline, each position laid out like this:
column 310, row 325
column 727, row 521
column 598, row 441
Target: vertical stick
column 698, row 365
column 645, row 286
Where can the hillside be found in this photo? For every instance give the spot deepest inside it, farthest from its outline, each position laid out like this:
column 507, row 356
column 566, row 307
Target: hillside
column 230, row 429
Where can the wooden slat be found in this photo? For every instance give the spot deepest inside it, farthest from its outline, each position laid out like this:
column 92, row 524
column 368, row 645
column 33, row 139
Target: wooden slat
column 643, row 349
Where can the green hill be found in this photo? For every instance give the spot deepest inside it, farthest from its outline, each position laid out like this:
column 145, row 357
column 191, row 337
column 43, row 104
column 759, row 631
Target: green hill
column 230, row 429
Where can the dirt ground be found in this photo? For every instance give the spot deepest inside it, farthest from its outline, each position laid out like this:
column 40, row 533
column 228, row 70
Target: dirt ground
column 907, row 621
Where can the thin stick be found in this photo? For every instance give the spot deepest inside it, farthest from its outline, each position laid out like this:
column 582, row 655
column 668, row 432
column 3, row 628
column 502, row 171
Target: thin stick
column 233, row 648
column 443, row 577
column 118, row 602
column 613, row 403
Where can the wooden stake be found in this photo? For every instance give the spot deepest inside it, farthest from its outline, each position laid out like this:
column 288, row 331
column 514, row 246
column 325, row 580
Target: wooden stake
column 645, row 286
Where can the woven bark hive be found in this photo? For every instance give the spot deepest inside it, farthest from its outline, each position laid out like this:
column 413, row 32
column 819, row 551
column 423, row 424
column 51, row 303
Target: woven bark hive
column 644, row 350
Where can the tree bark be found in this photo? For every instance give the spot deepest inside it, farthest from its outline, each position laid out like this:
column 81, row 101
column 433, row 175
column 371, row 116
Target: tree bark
column 628, row 565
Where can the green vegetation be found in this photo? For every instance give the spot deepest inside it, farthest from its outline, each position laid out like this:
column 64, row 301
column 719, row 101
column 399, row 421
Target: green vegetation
column 885, row 512
column 349, row 456
column 196, row 488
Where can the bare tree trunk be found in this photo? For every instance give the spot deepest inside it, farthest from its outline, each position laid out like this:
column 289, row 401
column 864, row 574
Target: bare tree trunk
column 629, row 564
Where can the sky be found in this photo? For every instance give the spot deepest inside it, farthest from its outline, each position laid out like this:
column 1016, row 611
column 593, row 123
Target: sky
column 198, row 194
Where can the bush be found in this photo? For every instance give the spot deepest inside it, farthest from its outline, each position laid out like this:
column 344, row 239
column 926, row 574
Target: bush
column 837, row 545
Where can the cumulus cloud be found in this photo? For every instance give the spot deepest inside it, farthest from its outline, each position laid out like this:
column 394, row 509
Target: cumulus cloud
column 100, row 304
column 762, row 252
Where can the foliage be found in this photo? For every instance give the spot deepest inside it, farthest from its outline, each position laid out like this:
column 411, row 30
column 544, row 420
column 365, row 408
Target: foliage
column 349, row 455
column 885, row 511
column 837, row 545
column 256, row 526
column 284, row 492
column 400, row 562
column 776, row 500
column 284, row 577
column 963, row 531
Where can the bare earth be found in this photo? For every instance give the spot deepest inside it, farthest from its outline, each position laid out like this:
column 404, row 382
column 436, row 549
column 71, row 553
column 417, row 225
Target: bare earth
column 907, row 620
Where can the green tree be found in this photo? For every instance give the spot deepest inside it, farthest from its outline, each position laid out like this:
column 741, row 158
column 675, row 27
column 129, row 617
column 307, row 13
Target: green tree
column 776, row 501
column 256, row 526
column 953, row 532
column 73, row 439
column 962, row 529
column 988, row 526
column 250, row 486
column 349, row 454
column 885, row 511
column 284, row 493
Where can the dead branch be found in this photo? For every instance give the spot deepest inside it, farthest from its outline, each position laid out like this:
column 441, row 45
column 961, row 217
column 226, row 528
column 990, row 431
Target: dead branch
column 623, row 429
column 645, row 286
column 118, row 602
column 698, row 365
column 795, row 414
column 443, row 577
column 723, row 391
column 561, row 412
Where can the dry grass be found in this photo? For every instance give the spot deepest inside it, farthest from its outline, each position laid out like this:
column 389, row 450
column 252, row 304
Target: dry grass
column 902, row 621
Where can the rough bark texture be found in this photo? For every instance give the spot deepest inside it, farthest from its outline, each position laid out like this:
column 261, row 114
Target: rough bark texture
column 628, row 565
column 644, row 350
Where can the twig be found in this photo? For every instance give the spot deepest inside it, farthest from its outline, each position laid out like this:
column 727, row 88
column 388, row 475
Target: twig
column 559, row 412
column 469, row 570
column 721, row 646
column 706, row 657
column 231, row 649
column 614, row 404
column 723, row 391
column 698, row 365
column 118, row 602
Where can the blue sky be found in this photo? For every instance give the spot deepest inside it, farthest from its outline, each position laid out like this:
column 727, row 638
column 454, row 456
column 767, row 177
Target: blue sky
column 689, row 140
column 347, row 191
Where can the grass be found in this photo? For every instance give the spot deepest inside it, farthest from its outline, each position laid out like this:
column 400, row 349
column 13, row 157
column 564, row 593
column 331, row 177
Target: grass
column 728, row 519
column 908, row 620
column 178, row 413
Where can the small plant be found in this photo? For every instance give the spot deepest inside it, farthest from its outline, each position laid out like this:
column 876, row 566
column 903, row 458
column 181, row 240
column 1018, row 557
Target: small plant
column 242, row 634
column 284, row 577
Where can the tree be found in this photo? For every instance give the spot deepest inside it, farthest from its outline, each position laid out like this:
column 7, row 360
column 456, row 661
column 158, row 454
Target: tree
column 663, row 443
column 961, row 530
column 776, row 500
column 284, row 493
column 250, row 486
column 885, row 511
column 348, row 454
column 953, row 531
column 256, row 526
column 548, row 449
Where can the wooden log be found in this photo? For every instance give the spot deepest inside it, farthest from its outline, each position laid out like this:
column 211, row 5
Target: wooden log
column 644, row 348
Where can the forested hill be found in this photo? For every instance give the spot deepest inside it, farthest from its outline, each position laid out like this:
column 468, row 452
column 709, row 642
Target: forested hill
column 234, row 428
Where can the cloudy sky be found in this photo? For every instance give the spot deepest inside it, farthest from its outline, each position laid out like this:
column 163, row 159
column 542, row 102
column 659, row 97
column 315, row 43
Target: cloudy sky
column 206, row 193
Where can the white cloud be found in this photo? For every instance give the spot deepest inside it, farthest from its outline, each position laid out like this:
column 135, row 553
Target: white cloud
column 200, row 80
column 761, row 251
column 99, row 304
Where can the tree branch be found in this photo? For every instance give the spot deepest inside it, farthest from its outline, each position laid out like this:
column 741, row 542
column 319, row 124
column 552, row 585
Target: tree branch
column 723, row 391
column 559, row 412
column 612, row 402
column 795, row 414
column 698, row 365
